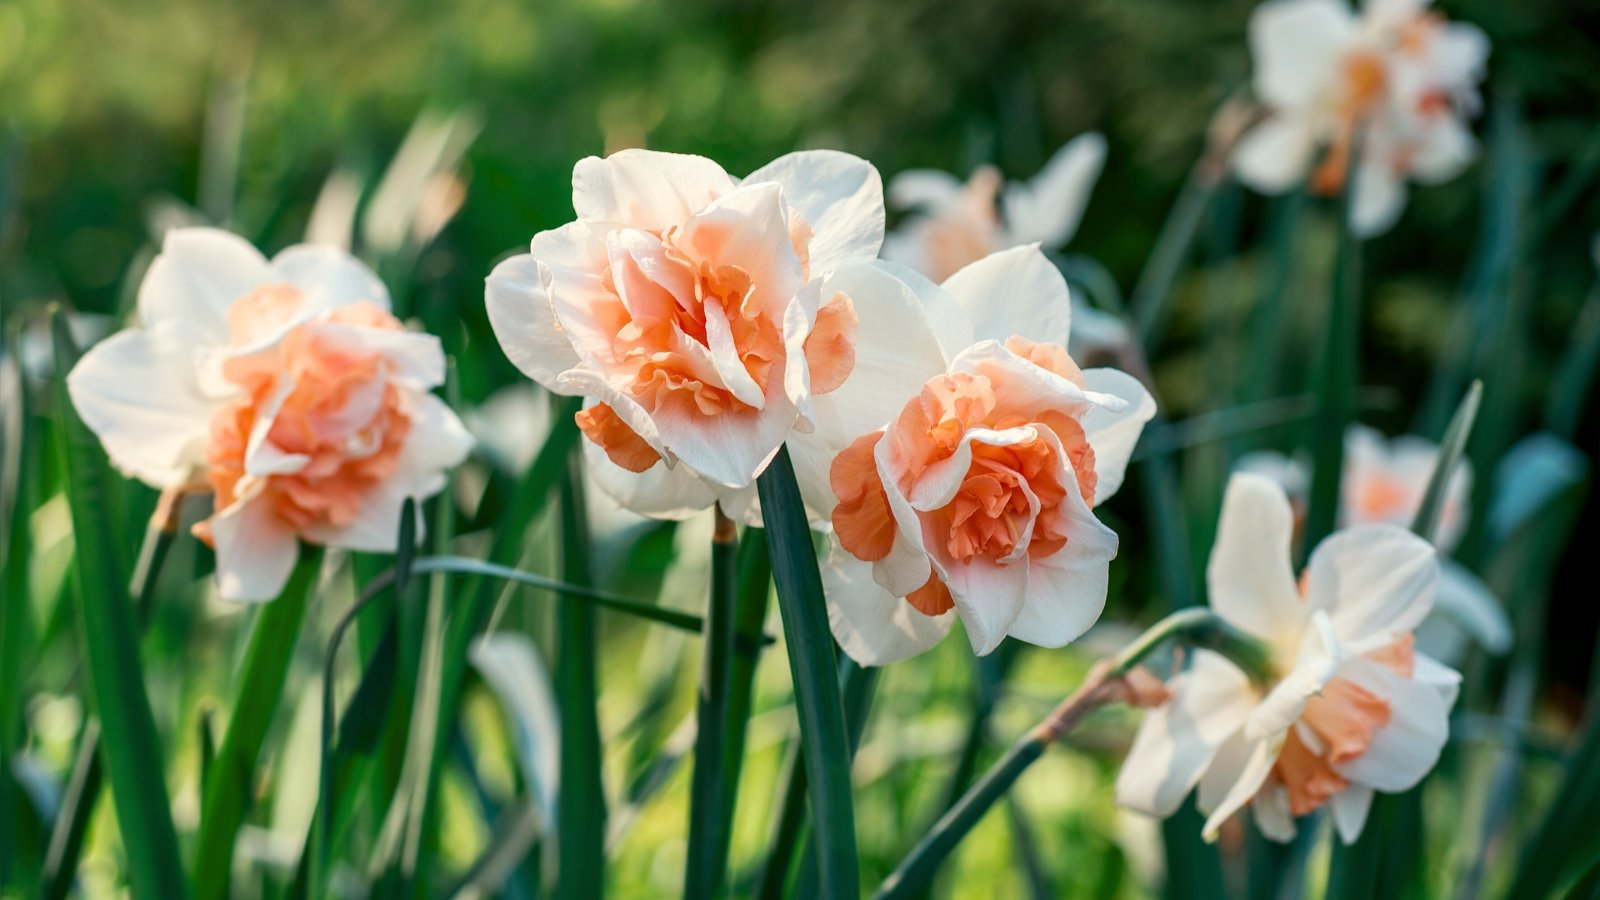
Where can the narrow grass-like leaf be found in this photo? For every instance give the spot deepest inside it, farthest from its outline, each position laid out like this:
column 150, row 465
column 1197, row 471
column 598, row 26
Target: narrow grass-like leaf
column 1335, row 380
column 227, row 795
column 823, row 737
column 857, row 686
column 1451, row 448
column 1574, row 379
column 581, row 813
column 17, row 490
column 709, row 786
column 132, row 748
column 1151, row 294
column 1268, row 335
column 72, row 820
column 755, row 592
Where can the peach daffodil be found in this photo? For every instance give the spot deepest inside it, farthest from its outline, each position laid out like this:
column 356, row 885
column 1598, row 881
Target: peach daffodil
column 973, row 495
column 1383, row 483
column 1347, row 704
column 285, row 385
column 694, row 313
column 1386, row 91
column 951, row 224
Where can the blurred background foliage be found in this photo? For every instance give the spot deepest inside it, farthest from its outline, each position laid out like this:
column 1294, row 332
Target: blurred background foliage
column 121, row 119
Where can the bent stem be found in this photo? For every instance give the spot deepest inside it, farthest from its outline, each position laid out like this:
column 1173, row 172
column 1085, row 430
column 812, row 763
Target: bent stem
column 1106, row 683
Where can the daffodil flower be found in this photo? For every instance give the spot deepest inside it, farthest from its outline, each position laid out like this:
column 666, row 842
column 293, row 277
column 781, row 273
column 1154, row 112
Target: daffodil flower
column 1346, row 705
column 964, row 485
column 287, row 386
column 1385, row 92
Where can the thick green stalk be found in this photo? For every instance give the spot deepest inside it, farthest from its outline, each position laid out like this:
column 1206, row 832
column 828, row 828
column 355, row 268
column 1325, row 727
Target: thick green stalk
column 227, row 793
column 755, row 592
column 710, row 788
column 823, row 737
column 581, row 814
column 132, row 747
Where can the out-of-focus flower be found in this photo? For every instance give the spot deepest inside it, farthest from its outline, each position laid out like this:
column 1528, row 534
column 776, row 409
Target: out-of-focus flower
column 510, row 663
column 1383, row 483
column 287, row 386
column 1347, row 706
column 1386, row 91
column 696, row 313
column 975, row 499
column 951, row 225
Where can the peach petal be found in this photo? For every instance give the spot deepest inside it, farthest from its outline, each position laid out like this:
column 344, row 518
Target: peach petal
column 831, row 347
column 933, row 598
column 623, row 446
column 862, row 519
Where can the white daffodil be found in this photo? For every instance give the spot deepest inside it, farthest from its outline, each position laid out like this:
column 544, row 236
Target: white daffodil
column 951, row 224
column 287, row 386
column 1346, row 705
column 1385, row 91
column 963, row 485
column 1383, row 483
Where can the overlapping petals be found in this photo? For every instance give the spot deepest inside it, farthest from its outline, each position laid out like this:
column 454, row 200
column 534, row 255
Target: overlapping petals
column 287, row 386
column 1385, row 93
column 1348, row 707
column 694, row 312
column 972, row 497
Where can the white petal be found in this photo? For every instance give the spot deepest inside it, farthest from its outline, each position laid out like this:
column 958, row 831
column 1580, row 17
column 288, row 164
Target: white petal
column 1405, row 749
column 659, row 492
column 1249, row 579
column 988, row 598
column 1113, row 435
column 1177, row 741
column 1296, row 46
column 872, row 625
column 510, row 663
column 256, row 551
column 1272, row 812
column 923, row 188
column 524, row 322
column 944, row 315
column 906, row 568
column 1379, row 200
column 1048, row 208
column 645, row 189
column 186, row 292
column 1251, row 774
column 1446, row 151
column 1014, row 292
column 1275, row 155
column 840, row 197
column 1350, row 807
column 1316, row 665
column 144, row 408
column 1376, row 582
column 329, row 276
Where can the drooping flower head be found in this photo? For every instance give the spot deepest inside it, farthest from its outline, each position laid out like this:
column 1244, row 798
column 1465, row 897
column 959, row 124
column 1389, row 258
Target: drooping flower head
column 287, row 386
column 975, row 498
column 951, row 224
column 1385, row 92
column 688, row 308
column 1348, row 706
column 1383, row 482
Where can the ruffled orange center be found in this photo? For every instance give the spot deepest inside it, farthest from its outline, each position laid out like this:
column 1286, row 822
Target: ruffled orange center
column 1363, row 78
column 1336, row 727
column 330, row 402
column 1383, row 498
column 1011, row 502
column 675, row 305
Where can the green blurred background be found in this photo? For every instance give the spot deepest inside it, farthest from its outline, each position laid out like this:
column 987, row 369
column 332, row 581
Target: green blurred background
column 120, row 118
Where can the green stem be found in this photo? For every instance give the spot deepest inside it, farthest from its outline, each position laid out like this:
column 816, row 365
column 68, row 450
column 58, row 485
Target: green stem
column 581, row 814
column 709, row 785
column 1104, row 685
column 823, row 738
column 228, row 791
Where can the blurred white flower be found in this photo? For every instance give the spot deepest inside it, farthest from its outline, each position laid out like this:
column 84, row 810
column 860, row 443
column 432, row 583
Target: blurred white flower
column 1383, row 483
column 511, row 665
column 1347, row 706
column 1386, row 91
column 951, row 225
column 286, row 385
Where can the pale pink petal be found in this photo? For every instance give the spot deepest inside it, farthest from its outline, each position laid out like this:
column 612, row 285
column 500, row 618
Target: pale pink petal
column 1408, row 746
column 660, row 492
column 1375, row 582
column 1275, row 155
column 1296, row 46
column 186, row 292
column 329, row 277
column 988, row 598
column 1047, row 209
column 944, row 315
